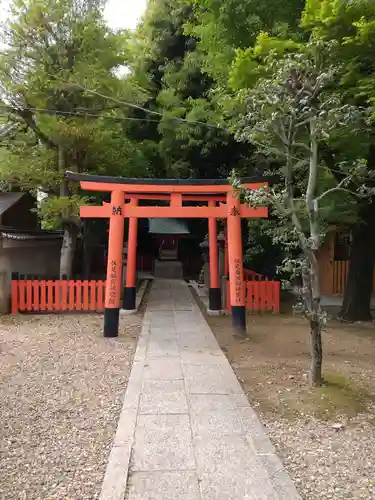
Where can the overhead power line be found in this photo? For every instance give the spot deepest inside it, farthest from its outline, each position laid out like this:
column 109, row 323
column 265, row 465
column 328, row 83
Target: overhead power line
column 85, row 114
column 88, row 114
column 149, row 111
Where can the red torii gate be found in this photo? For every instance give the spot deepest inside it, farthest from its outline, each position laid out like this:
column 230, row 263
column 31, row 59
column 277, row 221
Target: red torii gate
column 220, row 201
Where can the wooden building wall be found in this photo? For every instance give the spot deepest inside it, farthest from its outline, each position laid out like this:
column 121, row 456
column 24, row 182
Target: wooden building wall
column 333, row 261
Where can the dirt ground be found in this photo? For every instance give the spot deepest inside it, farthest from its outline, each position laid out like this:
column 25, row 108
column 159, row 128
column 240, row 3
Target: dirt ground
column 61, row 390
column 275, row 358
column 325, row 436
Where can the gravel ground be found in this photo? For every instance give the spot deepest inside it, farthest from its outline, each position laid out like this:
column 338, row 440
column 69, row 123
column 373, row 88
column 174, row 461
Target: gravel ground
column 326, row 463
column 60, row 396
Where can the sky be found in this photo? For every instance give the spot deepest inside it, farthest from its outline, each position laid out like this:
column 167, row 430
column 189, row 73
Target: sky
column 118, row 13
column 124, row 13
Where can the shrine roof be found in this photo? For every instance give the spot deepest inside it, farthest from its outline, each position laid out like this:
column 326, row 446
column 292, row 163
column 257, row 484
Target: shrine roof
column 162, row 182
column 167, row 226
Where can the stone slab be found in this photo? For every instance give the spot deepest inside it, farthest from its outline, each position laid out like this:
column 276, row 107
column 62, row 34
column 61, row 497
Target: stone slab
column 255, row 432
column 226, row 422
column 163, row 442
column 208, row 403
column 232, row 485
column 202, row 358
column 162, row 348
column 229, row 452
column 163, row 368
column 163, row 396
column 115, row 478
column 279, row 478
column 164, row 486
column 210, row 379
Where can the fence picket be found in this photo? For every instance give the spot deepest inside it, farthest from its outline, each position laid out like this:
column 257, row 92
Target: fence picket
column 64, row 295
column 22, row 297
column 78, row 295
column 92, row 305
column 29, row 295
column 85, row 286
column 49, row 295
column 36, row 296
column 257, row 301
column 15, row 295
column 71, row 285
column 100, row 295
column 56, row 296
column 43, row 295
column 276, row 297
column 250, row 295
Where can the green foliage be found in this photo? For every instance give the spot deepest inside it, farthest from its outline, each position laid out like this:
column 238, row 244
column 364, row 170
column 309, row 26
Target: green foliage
column 287, row 112
column 57, row 211
column 249, row 65
column 58, row 78
column 223, row 27
column 198, row 145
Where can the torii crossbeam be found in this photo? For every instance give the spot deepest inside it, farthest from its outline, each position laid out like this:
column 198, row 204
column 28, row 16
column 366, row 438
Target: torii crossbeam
column 215, row 199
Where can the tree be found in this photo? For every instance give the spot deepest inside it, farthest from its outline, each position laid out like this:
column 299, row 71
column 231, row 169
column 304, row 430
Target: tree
column 228, row 27
column 352, row 26
column 58, row 81
column 288, row 114
column 182, row 131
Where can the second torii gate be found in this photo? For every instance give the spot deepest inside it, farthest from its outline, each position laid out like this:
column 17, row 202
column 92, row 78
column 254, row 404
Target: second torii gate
column 216, row 199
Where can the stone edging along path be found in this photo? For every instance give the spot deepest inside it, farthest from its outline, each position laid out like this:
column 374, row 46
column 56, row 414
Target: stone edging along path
column 186, row 429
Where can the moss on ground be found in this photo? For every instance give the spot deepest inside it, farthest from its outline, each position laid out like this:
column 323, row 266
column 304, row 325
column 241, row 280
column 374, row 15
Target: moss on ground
column 338, row 396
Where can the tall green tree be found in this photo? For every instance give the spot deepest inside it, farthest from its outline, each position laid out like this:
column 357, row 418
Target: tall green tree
column 58, row 81
column 351, row 26
column 288, row 114
column 186, row 138
column 237, row 63
column 225, row 28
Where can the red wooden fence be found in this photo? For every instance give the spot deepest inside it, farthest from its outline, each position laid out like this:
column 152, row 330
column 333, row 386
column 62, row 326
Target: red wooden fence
column 260, row 295
column 252, row 275
column 49, row 296
column 263, row 296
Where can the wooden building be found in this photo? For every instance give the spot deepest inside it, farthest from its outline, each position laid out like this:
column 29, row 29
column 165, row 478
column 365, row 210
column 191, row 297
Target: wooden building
column 334, row 263
column 25, row 249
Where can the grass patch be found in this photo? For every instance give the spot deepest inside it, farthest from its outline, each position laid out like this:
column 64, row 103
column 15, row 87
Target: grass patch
column 338, row 396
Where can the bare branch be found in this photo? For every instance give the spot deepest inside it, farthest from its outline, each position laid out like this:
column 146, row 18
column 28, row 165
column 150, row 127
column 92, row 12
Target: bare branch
column 303, row 122
column 339, row 187
column 334, row 190
column 312, row 205
column 280, row 132
column 301, row 145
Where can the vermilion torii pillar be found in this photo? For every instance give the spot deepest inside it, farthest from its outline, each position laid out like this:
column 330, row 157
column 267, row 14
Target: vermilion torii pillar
column 215, row 304
column 114, row 265
column 130, row 294
column 235, row 256
column 207, row 194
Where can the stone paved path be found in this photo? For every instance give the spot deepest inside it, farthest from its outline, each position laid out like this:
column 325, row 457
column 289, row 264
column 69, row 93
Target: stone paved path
column 187, row 431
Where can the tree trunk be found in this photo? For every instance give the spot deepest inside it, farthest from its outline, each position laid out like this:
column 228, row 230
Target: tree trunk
column 70, row 231
column 316, row 353
column 315, row 316
column 67, row 252
column 358, row 289
column 86, row 252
